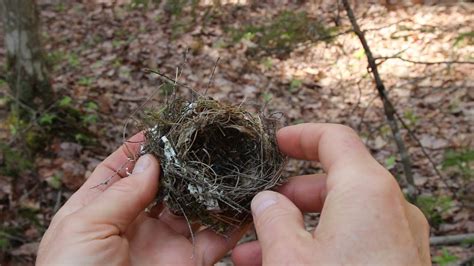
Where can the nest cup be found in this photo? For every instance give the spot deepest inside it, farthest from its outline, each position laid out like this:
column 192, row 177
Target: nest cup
column 215, row 158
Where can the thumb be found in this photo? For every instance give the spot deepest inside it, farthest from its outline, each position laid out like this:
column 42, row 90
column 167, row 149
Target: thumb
column 278, row 223
column 122, row 202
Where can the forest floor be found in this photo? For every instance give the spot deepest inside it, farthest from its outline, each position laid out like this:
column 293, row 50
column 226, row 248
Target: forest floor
column 300, row 60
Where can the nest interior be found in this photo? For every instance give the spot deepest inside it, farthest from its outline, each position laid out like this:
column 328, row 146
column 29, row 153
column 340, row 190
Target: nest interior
column 215, row 158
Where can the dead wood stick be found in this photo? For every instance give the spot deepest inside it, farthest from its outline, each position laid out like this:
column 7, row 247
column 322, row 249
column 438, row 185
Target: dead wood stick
column 387, row 104
column 384, row 58
column 451, row 239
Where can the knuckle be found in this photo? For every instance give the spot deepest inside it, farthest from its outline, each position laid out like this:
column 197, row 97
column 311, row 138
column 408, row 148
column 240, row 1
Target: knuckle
column 389, row 186
column 421, row 220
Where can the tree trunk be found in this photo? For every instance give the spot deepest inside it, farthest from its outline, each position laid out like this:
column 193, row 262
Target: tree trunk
column 27, row 74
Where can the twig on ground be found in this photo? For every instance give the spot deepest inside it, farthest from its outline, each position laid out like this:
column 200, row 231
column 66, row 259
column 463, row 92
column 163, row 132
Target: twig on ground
column 385, row 58
column 388, row 106
column 451, row 239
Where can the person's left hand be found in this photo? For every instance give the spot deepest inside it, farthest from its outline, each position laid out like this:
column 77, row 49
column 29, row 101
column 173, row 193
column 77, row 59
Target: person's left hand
column 107, row 225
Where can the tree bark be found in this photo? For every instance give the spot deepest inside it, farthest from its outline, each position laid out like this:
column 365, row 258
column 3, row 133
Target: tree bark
column 27, row 73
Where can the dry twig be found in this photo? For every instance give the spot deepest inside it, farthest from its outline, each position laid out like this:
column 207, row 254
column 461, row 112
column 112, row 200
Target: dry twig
column 451, row 239
column 388, row 106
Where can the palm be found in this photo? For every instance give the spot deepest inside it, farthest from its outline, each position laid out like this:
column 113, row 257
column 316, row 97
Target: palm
column 154, row 242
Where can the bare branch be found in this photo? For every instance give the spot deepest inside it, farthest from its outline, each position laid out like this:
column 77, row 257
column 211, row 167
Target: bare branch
column 388, row 106
column 385, row 58
column 451, row 239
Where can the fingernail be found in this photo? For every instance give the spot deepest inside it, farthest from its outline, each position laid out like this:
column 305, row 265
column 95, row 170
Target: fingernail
column 262, row 201
column 142, row 164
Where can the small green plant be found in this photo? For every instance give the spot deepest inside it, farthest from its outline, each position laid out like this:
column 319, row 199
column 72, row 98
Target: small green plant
column 461, row 161
column 46, row 119
column 85, row 81
column 55, row 181
column 434, row 207
column 464, row 38
column 295, row 84
column 90, row 116
column 446, row 258
column 390, row 161
column 175, row 7
column 60, row 7
column 167, row 89
column 267, row 96
column 14, row 161
column 138, row 4
column 267, row 63
column 73, row 60
column 411, row 117
column 359, row 54
column 82, row 138
column 54, row 58
column 66, row 101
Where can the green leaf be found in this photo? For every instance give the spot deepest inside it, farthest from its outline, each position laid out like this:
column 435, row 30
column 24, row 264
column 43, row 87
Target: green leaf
column 267, row 96
column 464, row 36
column 73, row 60
column 390, row 162
column 54, row 181
column 85, row 81
column 446, row 258
column 295, row 84
column 410, row 116
column 90, row 119
column 434, row 207
column 65, row 101
column 91, row 106
column 267, row 63
column 47, row 119
column 359, row 54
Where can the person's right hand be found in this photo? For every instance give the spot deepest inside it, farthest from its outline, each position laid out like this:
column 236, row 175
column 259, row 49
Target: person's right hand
column 365, row 220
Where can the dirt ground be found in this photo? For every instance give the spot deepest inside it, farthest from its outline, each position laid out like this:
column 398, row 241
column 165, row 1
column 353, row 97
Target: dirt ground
column 98, row 54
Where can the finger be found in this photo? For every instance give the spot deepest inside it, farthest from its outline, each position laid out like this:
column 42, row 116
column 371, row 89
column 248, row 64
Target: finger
column 328, row 143
column 211, row 247
column 112, row 169
column 342, row 154
column 307, row 192
column 177, row 223
column 120, row 204
column 420, row 230
column 278, row 223
column 249, row 253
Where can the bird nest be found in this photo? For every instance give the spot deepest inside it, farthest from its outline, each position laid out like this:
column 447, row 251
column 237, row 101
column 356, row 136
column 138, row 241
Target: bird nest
column 215, row 158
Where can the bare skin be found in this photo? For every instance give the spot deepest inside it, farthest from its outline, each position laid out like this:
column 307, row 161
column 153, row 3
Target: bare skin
column 364, row 217
column 108, row 226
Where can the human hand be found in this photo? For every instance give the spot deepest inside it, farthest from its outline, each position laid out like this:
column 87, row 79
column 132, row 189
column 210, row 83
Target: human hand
column 365, row 219
column 108, row 226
